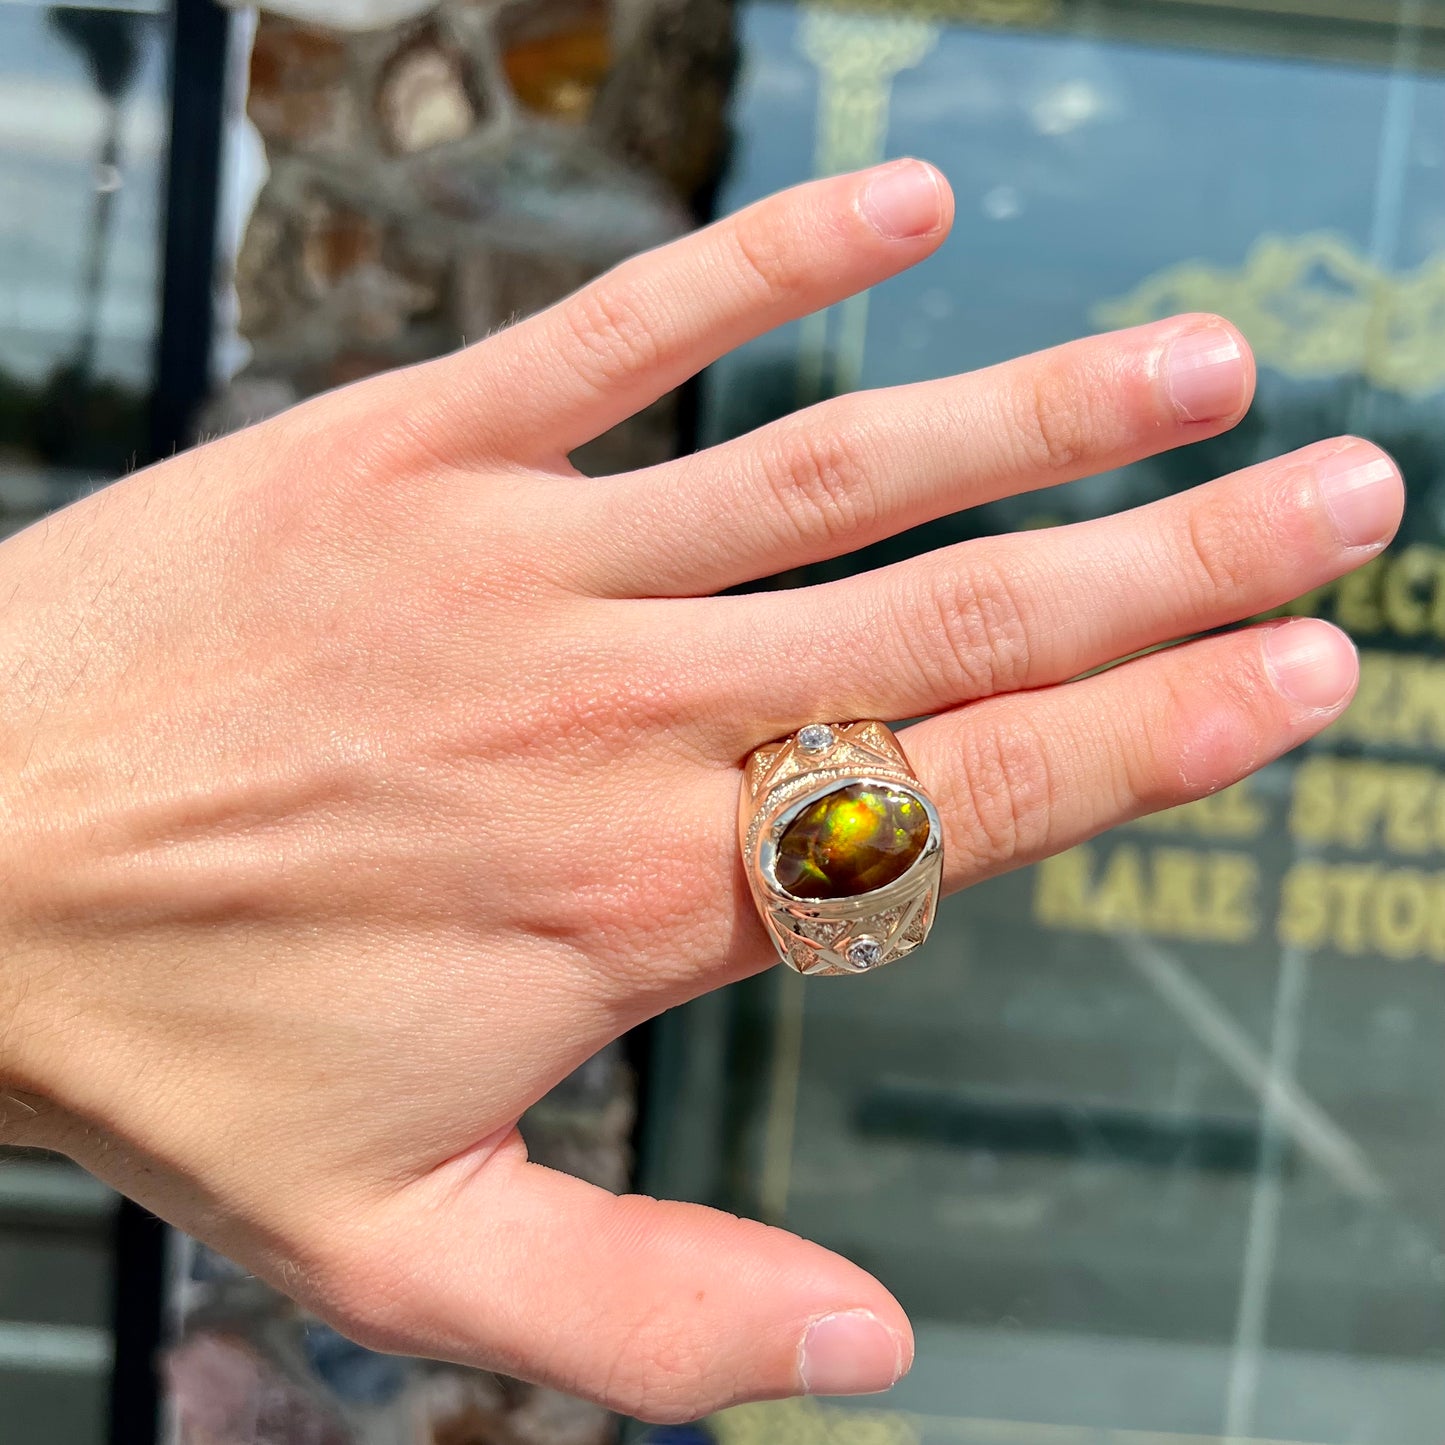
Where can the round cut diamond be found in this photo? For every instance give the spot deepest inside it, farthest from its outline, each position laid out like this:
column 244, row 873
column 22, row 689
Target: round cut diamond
column 864, row 953
column 816, row 738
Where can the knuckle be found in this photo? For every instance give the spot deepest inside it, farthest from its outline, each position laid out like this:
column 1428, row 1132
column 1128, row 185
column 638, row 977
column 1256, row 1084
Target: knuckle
column 820, row 483
column 655, row 1379
column 1051, row 420
column 1002, row 792
column 1216, row 548
column 764, row 257
column 984, row 636
column 1150, row 769
column 1200, row 725
column 615, row 337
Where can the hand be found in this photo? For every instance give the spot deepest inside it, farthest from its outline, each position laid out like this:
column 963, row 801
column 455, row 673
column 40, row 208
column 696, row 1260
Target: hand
column 368, row 770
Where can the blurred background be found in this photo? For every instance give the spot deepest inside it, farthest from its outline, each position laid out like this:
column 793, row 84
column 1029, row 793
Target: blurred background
column 1151, row 1140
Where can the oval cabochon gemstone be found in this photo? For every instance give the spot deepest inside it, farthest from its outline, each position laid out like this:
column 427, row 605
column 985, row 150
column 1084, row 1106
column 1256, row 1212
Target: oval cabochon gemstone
column 850, row 841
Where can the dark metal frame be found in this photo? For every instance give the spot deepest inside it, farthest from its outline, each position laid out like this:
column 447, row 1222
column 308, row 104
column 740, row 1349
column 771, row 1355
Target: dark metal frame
column 199, row 63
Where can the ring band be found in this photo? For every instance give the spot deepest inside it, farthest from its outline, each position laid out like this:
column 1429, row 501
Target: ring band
column 842, row 847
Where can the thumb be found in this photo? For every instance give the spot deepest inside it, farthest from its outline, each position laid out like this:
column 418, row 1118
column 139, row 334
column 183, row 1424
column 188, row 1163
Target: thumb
column 659, row 1310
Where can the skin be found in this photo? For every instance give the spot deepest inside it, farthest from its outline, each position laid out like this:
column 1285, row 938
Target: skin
column 368, row 770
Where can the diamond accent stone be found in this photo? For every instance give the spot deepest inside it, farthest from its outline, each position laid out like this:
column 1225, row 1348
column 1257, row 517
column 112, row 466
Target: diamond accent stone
column 816, row 738
column 864, row 953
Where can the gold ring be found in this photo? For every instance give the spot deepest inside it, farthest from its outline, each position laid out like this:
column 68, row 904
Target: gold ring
column 842, row 847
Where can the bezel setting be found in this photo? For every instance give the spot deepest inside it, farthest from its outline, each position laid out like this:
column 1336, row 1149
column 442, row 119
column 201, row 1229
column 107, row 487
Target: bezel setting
column 864, row 953
column 816, row 738
column 815, row 936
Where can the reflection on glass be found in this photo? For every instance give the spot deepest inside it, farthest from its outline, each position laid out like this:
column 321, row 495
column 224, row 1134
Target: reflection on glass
column 1151, row 1139
column 82, row 135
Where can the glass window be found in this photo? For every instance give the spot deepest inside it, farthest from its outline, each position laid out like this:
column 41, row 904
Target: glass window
column 1151, row 1139
column 83, row 139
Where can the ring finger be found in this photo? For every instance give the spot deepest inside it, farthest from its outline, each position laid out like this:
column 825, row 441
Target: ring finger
column 1022, row 776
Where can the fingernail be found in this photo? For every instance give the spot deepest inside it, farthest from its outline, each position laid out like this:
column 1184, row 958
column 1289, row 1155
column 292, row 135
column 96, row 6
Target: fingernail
column 1205, row 375
column 1361, row 490
column 903, row 200
column 1311, row 663
column 849, row 1354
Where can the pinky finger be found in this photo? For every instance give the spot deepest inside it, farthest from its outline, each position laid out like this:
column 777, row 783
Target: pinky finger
column 1022, row 776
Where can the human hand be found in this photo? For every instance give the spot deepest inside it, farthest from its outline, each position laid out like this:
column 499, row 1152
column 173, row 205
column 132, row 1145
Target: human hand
column 368, row 770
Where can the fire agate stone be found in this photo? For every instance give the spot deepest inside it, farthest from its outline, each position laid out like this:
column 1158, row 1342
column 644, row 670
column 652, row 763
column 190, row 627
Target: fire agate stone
column 851, row 841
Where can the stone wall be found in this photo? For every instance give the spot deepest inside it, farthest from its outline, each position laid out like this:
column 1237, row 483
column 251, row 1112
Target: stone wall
column 434, row 171
column 434, row 178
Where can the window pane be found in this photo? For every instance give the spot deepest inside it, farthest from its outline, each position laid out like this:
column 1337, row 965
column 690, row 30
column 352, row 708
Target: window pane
column 82, row 141
column 1149, row 1140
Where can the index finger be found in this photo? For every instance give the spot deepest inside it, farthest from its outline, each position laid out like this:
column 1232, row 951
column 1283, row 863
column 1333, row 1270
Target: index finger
column 569, row 373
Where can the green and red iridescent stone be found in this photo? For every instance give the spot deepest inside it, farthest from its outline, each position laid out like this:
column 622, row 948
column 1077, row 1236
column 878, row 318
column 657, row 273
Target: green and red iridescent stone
column 856, row 839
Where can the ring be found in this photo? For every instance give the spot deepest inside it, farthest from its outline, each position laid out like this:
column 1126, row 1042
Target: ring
column 842, row 847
